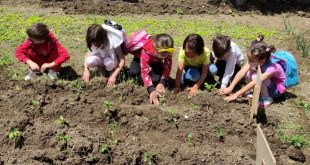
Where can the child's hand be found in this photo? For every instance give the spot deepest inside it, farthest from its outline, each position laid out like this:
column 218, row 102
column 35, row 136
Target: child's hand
column 176, row 90
column 154, row 97
column 160, row 88
column 193, row 91
column 231, row 97
column 47, row 66
column 33, row 66
column 224, row 91
column 111, row 81
column 86, row 76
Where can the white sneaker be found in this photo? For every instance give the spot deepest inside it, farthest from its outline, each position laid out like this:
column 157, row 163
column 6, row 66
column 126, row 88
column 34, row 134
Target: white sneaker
column 52, row 74
column 30, row 75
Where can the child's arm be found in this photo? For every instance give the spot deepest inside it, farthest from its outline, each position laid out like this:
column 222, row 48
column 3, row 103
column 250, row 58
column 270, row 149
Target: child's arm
column 229, row 70
column 237, row 78
column 194, row 89
column 249, row 86
column 120, row 66
column 178, row 77
column 86, row 73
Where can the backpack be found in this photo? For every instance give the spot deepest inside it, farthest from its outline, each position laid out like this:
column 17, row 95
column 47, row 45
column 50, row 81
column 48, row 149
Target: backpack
column 136, row 41
column 289, row 65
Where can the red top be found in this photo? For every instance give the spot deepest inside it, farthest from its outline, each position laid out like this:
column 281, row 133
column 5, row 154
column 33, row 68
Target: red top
column 50, row 51
column 148, row 57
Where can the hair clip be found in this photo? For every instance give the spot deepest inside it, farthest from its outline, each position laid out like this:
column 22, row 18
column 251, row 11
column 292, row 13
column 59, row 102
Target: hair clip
column 169, row 50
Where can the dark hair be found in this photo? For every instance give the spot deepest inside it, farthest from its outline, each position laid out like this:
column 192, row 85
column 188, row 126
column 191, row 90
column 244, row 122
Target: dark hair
column 195, row 43
column 96, row 34
column 38, row 31
column 163, row 41
column 259, row 50
column 221, row 45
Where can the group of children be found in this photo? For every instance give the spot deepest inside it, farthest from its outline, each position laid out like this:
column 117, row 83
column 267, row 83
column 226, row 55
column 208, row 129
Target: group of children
column 152, row 63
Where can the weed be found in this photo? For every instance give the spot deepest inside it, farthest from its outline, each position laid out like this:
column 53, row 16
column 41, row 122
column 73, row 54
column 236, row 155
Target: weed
column 302, row 45
column 219, row 134
column 210, row 87
column 16, row 136
column 179, row 11
column 288, row 27
column 190, row 138
column 61, row 120
column 300, row 102
column 149, row 157
column 298, row 141
column 6, row 60
column 163, row 100
column 121, row 96
column 105, row 149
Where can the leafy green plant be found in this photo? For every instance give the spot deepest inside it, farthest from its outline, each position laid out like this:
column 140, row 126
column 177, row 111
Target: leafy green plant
column 173, row 116
column 65, row 139
column 6, row 60
column 16, row 136
column 77, row 86
column 288, row 27
column 179, row 11
column 163, row 100
column 190, row 138
column 298, row 141
column 35, row 102
column 219, row 134
column 105, row 149
column 302, row 45
column 61, row 120
column 149, row 157
column 107, row 105
column 300, row 102
column 210, row 87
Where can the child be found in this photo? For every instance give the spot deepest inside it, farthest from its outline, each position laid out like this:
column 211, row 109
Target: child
column 154, row 63
column 226, row 59
column 104, row 44
column 194, row 60
column 273, row 74
column 42, row 52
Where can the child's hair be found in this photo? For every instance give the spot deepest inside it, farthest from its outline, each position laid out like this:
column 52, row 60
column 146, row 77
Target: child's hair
column 259, row 50
column 221, row 45
column 38, row 31
column 96, row 34
column 195, row 43
column 163, row 41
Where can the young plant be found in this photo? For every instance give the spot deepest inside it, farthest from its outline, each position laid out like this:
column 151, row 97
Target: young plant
column 15, row 135
column 61, row 120
column 163, row 100
column 302, row 45
column 107, row 105
column 210, row 87
column 77, row 86
column 35, row 102
column 105, row 149
column 190, row 138
column 288, row 27
column 149, row 157
column 220, row 134
column 65, row 139
column 173, row 116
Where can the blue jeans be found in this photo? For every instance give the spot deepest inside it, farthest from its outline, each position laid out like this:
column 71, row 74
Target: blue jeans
column 191, row 75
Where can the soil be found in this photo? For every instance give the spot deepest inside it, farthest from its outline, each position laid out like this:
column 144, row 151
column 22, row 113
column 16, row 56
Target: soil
column 132, row 126
column 193, row 7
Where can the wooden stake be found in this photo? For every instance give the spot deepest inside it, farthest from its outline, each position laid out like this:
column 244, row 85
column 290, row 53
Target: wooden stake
column 256, row 94
column 264, row 155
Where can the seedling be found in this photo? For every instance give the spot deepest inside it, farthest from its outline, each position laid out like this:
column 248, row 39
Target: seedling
column 172, row 116
column 190, row 138
column 220, row 134
column 77, row 86
column 149, row 157
column 163, row 100
column 300, row 102
column 179, row 11
column 288, row 27
column 15, row 135
column 193, row 106
column 35, row 102
column 121, row 97
column 302, row 45
column 107, row 105
column 65, row 139
column 61, row 120
column 210, row 87
column 105, row 149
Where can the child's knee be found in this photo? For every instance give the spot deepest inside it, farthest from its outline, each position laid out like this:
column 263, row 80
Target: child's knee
column 109, row 64
column 192, row 74
column 93, row 61
column 213, row 69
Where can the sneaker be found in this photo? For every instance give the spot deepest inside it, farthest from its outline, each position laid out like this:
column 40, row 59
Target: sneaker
column 265, row 102
column 52, row 74
column 30, row 75
column 248, row 95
